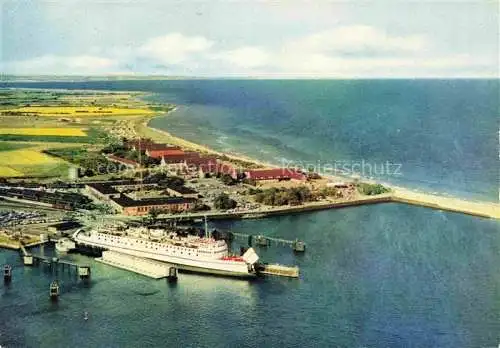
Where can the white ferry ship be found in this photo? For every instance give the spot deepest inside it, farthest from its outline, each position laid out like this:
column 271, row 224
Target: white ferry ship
column 190, row 253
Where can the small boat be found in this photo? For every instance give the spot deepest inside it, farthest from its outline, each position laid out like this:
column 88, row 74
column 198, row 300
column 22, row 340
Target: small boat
column 65, row 245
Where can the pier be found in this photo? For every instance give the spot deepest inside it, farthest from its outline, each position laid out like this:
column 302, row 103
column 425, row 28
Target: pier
column 279, row 270
column 54, row 263
column 264, row 241
column 149, row 268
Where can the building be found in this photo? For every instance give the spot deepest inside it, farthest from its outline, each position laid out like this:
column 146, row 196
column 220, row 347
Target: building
column 275, row 174
column 181, row 198
column 216, row 169
column 102, row 191
column 131, row 207
column 165, row 152
column 148, row 145
column 134, row 144
column 57, row 199
column 73, row 173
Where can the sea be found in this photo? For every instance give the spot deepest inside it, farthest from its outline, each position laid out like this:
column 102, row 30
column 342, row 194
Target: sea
column 388, row 275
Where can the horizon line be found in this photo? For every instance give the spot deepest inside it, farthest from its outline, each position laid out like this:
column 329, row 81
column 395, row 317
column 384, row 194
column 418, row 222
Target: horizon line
column 4, row 77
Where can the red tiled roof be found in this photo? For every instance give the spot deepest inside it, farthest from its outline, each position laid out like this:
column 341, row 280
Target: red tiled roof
column 158, row 153
column 200, row 161
column 157, row 147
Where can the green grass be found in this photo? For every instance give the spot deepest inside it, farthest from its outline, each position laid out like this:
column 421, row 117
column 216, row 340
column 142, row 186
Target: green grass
column 4, row 146
column 44, row 170
column 94, row 136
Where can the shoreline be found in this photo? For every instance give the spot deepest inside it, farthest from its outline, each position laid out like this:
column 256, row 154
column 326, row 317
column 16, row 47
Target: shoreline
column 398, row 194
column 144, row 129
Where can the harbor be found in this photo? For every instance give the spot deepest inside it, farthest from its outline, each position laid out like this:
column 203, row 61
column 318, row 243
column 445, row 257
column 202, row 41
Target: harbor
column 149, row 263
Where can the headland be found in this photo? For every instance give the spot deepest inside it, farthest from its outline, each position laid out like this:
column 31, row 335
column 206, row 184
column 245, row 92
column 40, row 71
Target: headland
column 76, row 128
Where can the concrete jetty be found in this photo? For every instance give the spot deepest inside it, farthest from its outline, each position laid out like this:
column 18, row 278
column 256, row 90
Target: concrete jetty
column 279, row 270
column 146, row 267
column 453, row 204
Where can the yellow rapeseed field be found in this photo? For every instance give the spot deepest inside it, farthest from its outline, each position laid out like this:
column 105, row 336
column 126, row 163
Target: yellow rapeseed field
column 8, row 172
column 67, row 132
column 26, row 157
column 78, row 111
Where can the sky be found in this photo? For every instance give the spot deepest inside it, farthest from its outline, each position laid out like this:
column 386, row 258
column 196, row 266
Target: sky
column 262, row 39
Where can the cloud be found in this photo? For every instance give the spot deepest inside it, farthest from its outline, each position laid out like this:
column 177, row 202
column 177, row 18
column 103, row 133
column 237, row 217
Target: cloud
column 72, row 65
column 321, row 65
column 358, row 39
column 173, row 48
column 245, row 57
column 358, row 51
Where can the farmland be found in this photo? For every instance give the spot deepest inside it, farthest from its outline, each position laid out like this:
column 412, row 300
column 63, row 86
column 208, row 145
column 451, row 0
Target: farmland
column 45, row 132
column 78, row 111
column 6, row 172
column 75, row 132
column 30, row 161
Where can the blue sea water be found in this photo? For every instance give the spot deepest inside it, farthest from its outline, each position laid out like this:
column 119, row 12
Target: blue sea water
column 387, row 275
column 436, row 135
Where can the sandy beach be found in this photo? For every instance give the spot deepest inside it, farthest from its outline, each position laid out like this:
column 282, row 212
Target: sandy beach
column 143, row 129
column 398, row 194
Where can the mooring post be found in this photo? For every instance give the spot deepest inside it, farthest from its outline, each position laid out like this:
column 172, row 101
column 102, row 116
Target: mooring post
column 172, row 274
column 7, row 273
column 54, row 290
column 298, row 246
column 84, row 272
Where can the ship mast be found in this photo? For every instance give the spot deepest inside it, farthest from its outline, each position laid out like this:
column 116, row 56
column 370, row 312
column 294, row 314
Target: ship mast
column 140, row 168
column 207, row 234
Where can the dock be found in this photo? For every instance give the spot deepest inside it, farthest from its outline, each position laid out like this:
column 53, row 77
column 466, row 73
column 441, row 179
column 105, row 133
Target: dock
column 265, row 241
column 53, row 263
column 279, row 270
column 149, row 268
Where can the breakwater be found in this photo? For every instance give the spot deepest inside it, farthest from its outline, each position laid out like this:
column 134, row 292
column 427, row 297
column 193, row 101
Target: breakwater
column 479, row 209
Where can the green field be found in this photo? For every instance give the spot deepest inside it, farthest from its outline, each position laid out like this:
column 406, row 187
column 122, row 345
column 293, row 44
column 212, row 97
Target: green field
column 94, row 136
column 5, row 146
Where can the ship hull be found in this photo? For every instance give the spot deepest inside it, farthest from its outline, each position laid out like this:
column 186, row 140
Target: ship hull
column 214, row 267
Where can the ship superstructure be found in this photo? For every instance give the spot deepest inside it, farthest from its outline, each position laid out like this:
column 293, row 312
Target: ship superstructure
column 187, row 252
